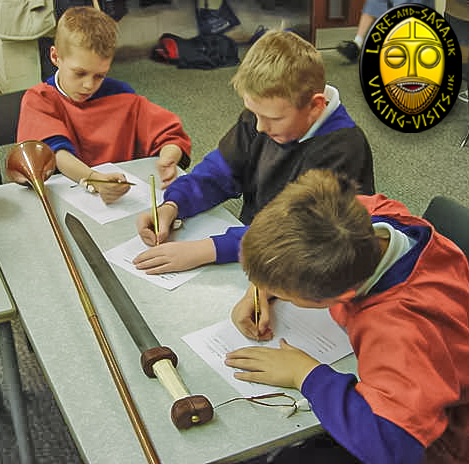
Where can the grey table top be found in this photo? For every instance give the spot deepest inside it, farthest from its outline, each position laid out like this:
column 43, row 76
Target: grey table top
column 52, row 316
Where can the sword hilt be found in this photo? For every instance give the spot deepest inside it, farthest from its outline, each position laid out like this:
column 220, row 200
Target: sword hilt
column 153, row 355
column 187, row 410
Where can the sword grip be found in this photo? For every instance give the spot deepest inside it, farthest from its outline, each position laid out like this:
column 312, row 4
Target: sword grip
column 170, row 379
column 187, row 410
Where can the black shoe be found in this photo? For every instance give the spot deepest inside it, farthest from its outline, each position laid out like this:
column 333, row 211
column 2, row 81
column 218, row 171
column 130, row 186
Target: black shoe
column 350, row 50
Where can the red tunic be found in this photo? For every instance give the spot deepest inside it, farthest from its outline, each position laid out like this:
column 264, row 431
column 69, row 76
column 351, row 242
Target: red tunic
column 412, row 344
column 112, row 128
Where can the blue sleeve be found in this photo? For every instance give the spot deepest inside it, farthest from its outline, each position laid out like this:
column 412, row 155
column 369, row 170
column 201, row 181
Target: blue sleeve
column 345, row 414
column 207, row 185
column 228, row 245
column 59, row 142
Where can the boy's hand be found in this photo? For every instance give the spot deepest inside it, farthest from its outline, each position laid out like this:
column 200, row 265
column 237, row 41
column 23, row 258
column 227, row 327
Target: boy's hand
column 146, row 227
column 176, row 256
column 286, row 366
column 166, row 164
column 109, row 193
column 167, row 170
column 243, row 316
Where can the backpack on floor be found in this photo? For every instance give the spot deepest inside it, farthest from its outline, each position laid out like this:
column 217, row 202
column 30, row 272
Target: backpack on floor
column 206, row 51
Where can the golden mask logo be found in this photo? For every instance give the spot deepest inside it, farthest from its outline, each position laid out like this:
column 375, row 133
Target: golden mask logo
column 411, row 68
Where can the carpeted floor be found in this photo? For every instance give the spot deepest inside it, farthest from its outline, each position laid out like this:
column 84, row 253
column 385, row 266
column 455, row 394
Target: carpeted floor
column 51, row 438
column 410, row 167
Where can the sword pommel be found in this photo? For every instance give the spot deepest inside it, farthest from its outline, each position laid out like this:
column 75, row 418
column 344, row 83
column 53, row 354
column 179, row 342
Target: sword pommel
column 191, row 410
column 151, row 356
column 188, row 410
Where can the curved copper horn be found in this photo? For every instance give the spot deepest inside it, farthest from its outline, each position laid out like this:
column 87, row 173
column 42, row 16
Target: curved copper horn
column 33, row 162
column 30, row 160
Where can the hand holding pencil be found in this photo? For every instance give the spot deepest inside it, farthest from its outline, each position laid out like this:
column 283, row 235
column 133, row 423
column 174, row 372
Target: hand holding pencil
column 154, row 226
column 252, row 315
column 110, row 186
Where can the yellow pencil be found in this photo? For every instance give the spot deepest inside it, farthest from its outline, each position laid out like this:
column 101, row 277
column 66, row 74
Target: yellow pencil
column 121, row 182
column 257, row 309
column 154, row 208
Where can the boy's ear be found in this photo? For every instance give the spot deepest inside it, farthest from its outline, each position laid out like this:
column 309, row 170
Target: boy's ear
column 318, row 100
column 53, row 55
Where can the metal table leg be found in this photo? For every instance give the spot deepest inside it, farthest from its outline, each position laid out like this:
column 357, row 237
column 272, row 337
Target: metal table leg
column 12, row 391
column 11, row 383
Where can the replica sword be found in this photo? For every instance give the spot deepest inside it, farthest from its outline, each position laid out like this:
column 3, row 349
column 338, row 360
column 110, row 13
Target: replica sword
column 156, row 360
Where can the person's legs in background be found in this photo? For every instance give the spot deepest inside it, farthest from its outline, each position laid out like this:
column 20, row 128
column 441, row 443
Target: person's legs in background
column 372, row 10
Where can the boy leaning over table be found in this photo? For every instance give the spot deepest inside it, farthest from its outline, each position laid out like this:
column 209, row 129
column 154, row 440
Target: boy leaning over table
column 400, row 290
column 293, row 122
column 88, row 119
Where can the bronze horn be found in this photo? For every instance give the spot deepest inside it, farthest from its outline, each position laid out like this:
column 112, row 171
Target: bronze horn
column 32, row 162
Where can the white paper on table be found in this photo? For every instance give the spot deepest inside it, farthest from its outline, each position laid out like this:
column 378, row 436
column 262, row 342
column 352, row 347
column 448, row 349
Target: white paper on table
column 135, row 200
column 312, row 330
column 124, row 254
column 196, row 228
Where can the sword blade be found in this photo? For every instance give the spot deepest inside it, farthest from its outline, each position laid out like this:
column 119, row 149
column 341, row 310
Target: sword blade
column 112, row 286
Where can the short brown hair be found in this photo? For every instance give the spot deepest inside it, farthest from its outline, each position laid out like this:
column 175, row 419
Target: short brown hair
column 314, row 240
column 89, row 28
column 281, row 64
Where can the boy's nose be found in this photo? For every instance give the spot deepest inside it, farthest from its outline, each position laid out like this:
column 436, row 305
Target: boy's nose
column 88, row 84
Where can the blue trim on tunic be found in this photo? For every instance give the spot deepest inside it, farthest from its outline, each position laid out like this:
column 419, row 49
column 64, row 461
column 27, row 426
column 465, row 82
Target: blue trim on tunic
column 345, row 414
column 108, row 87
column 402, row 268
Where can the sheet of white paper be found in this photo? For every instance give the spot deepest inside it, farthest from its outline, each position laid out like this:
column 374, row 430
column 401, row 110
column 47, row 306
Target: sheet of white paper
column 311, row 330
column 123, row 255
column 135, row 200
column 196, row 228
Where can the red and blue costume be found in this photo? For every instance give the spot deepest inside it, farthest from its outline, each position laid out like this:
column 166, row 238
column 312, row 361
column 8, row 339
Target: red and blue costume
column 410, row 334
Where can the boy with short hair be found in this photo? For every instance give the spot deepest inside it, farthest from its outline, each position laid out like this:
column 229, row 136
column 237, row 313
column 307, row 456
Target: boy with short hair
column 88, row 119
column 400, row 290
column 293, row 122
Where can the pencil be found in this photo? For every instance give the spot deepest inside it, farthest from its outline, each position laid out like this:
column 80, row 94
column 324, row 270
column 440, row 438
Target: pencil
column 257, row 309
column 121, row 182
column 154, row 208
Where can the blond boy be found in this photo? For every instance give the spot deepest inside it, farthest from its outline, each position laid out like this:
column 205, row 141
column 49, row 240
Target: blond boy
column 293, row 122
column 89, row 119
